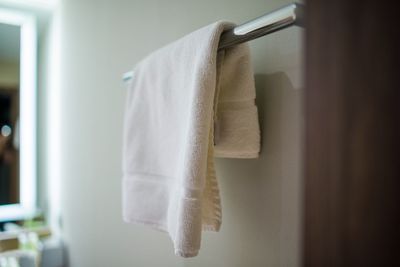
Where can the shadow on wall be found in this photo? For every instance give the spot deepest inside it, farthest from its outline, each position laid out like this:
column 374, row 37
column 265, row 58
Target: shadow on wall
column 261, row 197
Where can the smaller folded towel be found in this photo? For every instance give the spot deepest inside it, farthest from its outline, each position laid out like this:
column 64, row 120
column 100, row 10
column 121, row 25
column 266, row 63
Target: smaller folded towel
column 180, row 97
column 236, row 132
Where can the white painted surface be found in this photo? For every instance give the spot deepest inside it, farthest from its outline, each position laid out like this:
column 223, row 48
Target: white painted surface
column 261, row 198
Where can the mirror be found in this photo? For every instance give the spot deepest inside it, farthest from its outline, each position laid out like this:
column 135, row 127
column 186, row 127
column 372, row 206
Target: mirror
column 17, row 115
column 9, row 114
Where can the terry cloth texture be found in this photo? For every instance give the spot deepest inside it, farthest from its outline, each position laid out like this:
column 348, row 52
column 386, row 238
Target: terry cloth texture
column 182, row 100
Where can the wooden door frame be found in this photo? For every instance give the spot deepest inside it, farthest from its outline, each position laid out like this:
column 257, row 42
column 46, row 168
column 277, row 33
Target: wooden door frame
column 352, row 134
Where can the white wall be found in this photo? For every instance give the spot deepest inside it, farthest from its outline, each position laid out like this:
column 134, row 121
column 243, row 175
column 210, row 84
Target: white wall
column 261, row 198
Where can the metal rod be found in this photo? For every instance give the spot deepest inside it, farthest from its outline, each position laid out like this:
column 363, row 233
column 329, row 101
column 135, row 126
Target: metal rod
column 271, row 22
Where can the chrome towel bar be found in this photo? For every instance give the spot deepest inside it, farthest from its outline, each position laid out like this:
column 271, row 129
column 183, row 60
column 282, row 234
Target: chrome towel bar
column 279, row 19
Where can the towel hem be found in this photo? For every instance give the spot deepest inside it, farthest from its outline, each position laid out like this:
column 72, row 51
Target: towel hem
column 154, row 225
column 183, row 254
column 239, row 155
column 163, row 228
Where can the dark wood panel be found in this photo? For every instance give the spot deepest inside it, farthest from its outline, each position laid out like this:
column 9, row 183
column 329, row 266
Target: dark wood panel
column 352, row 134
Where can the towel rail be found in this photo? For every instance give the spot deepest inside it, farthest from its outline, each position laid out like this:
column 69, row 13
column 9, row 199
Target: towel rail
column 279, row 19
column 271, row 22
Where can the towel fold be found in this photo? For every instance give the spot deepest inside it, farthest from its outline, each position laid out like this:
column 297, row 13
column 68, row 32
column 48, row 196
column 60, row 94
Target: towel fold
column 183, row 99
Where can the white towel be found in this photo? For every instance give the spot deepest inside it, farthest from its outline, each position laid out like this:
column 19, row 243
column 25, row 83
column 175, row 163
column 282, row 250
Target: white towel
column 173, row 101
